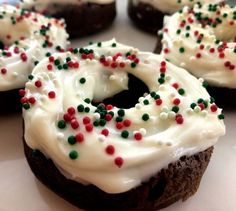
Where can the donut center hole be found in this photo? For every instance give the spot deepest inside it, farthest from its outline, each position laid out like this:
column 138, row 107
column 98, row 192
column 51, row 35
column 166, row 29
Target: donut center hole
column 128, row 98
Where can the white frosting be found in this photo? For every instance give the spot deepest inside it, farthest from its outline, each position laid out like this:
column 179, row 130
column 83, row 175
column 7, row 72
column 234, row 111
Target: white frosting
column 29, row 28
column 210, row 66
column 41, row 5
column 171, row 6
column 163, row 140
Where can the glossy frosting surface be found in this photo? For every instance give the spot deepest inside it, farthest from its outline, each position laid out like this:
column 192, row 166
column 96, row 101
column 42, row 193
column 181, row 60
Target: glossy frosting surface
column 116, row 149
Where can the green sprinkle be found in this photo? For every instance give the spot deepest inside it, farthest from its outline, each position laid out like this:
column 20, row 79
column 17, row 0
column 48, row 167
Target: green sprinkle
column 146, row 102
column 71, row 140
column 113, row 45
column 73, row 154
column 145, row 117
column 133, row 64
column 82, row 80
column 181, row 50
column 124, row 134
column 80, row 108
column 30, row 77
column 87, row 100
column 119, row 119
column 26, row 106
column 181, row 91
column 102, row 122
column 221, row 116
column 193, row 105
column 86, row 109
column 175, row 109
column 61, row 124
column 121, row 112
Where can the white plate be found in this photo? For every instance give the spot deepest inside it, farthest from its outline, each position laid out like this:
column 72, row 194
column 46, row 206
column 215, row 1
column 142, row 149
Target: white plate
column 19, row 190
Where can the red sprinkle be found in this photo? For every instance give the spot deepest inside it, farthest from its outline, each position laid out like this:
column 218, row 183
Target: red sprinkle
column 119, row 161
column 158, row 102
column 89, row 127
column 52, row 94
column 38, row 84
column 127, row 123
column 32, row 100
column 105, row 132
column 79, row 137
column 74, row 124
column 214, row 108
column 86, row 120
column 138, row 136
column 110, row 149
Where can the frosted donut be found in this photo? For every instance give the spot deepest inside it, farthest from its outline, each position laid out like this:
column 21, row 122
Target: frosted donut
column 115, row 149
column 148, row 14
column 25, row 38
column 82, row 17
column 202, row 41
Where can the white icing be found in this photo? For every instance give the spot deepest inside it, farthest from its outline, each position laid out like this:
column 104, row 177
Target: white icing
column 164, row 141
column 171, row 6
column 41, row 5
column 210, row 66
column 17, row 70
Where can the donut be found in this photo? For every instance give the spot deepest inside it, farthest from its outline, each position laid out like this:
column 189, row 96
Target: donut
column 25, row 38
column 99, row 156
column 202, row 40
column 148, row 14
column 83, row 17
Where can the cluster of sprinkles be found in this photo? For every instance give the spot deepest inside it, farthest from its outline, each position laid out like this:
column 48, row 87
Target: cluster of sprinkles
column 216, row 16
column 18, row 46
column 102, row 119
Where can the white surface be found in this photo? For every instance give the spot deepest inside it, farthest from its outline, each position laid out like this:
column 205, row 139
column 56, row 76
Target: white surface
column 19, row 190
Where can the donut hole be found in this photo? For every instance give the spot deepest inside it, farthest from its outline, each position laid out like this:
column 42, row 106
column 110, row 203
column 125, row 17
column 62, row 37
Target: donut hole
column 128, row 98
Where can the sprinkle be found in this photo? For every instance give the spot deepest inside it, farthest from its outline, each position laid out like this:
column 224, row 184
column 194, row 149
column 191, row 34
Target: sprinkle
column 61, row 124
column 79, row 137
column 119, row 161
column 73, row 155
column 110, row 149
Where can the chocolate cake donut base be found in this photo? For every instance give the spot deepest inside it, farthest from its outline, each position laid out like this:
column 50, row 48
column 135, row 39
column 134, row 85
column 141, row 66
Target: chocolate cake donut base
column 178, row 181
column 87, row 18
column 10, row 101
column 145, row 16
column 224, row 97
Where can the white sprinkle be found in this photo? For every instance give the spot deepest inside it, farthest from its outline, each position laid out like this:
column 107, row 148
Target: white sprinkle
column 145, row 94
column 171, row 115
column 168, row 78
column 182, row 64
column 163, row 116
column 172, row 94
column 112, row 77
column 204, row 113
column 60, row 136
column 201, row 80
column 138, row 106
column 101, row 138
column 162, row 87
column 164, row 109
column 189, row 111
column 197, row 109
column 143, row 131
column 140, row 99
column 96, row 116
column 152, row 119
column 15, row 74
